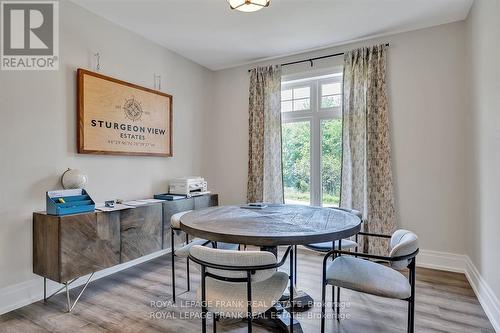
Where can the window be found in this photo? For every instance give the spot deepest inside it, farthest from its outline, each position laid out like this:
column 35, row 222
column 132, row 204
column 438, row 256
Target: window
column 312, row 139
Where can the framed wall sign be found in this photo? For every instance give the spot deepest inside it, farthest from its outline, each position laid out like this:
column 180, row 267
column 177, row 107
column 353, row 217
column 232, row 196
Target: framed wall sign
column 121, row 118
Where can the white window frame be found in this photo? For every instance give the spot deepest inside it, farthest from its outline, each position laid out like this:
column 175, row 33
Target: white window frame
column 315, row 115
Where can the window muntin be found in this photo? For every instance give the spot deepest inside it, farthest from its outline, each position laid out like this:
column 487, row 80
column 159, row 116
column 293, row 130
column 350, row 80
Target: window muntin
column 317, row 150
column 296, row 99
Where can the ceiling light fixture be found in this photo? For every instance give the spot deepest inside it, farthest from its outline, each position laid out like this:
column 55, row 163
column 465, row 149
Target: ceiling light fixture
column 248, row 5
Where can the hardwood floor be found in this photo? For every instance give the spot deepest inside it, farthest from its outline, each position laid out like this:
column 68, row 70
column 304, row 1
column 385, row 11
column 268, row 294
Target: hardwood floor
column 122, row 302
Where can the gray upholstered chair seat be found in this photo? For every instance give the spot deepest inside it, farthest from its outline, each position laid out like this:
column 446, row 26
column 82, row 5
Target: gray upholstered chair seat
column 368, row 277
column 175, row 220
column 228, row 299
column 183, row 252
column 346, row 244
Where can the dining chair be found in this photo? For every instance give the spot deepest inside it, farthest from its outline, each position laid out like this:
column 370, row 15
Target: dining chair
column 240, row 284
column 183, row 252
column 352, row 271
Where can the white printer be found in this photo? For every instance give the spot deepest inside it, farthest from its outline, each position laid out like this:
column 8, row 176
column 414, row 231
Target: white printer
column 189, row 186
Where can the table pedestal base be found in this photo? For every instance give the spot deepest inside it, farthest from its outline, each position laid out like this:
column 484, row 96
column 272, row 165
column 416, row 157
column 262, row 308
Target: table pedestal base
column 278, row 318
column 301, row 300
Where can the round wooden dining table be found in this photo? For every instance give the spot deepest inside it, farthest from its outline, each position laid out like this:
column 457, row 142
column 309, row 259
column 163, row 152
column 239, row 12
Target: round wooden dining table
column 270, row 227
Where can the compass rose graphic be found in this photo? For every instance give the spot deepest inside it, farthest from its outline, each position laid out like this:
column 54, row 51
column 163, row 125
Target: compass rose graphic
column 133, row 109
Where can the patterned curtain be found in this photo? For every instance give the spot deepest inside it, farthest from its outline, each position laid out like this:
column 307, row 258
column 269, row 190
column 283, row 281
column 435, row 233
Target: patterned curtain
column 366, row 165
column 265, row 180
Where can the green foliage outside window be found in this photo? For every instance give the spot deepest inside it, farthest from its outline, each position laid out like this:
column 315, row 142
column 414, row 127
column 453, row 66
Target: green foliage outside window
column 296, row 160
column 331, row 160
column 296, row 156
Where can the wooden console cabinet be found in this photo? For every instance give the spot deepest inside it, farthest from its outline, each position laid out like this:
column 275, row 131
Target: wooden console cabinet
column 71, row 246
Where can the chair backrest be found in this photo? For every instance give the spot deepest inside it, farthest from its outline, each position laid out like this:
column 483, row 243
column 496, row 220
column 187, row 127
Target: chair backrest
column 235, row 259
column 403, row 242
column 352, row 211
column 175, row 219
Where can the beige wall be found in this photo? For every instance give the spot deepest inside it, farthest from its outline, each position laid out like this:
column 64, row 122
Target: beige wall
column 38, row 120
column 428, row 120
column 483, row 232
column 446, row 155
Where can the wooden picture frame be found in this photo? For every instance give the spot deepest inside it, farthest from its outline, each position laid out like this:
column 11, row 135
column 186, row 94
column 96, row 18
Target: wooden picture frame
column 120, row 118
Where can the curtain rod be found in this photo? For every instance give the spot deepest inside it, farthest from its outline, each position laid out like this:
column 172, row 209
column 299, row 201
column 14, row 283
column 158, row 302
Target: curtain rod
column 313, row 59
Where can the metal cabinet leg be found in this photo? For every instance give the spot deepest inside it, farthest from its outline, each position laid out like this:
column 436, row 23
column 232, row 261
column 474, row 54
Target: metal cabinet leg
column 72, row 306
column 44, row 290
column 67, row 297
column 66, row 285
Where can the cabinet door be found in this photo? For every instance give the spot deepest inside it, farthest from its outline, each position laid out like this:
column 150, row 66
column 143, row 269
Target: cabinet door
column 170, row 208
column 140, row 231
column 88, row 243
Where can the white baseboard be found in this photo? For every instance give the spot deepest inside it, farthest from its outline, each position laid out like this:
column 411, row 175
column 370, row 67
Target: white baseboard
column 21, row 294
column 24, row 293
column 463, row 264
column 489, row 301
column 442, row 261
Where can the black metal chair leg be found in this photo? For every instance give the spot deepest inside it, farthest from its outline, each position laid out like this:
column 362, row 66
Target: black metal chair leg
column 356, row 248
column 249, row 300
column 291, row 289
column 413, row 316
column 333, row 300
column 187, row 267
column 323, row 296
column 323, row 301
column 338, row 288
column 413, row 274
column 188, row 279
column 338, row 303
column 203, row 301
column 295, row 264
column 333, row 287
column 409, row 316
column 172, row 251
